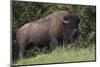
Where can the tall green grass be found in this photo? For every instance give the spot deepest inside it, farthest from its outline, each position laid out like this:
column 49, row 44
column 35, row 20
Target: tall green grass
column 62, row 54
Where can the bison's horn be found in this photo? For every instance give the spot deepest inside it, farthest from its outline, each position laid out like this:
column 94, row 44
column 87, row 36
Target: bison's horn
column 64, row 20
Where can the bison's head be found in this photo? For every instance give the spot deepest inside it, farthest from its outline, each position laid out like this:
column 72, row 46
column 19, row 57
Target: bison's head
column 70, row 27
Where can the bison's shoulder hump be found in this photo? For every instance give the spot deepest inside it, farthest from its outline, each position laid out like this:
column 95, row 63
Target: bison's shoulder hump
column 26, row 25
column 61, row 12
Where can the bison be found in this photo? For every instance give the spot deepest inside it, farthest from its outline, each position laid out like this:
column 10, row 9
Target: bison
column 56, row 28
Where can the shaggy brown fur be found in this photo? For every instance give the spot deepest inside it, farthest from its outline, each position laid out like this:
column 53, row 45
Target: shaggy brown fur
column 48, row 31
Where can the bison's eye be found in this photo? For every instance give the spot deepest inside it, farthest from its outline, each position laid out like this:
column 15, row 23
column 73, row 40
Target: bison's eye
column 76, row 19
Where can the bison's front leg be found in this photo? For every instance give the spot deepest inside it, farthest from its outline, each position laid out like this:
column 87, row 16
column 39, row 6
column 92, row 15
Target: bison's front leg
column 53, row 44
column 21, row 52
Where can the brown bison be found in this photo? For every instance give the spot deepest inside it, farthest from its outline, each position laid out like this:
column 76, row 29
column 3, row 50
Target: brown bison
column 49, row 31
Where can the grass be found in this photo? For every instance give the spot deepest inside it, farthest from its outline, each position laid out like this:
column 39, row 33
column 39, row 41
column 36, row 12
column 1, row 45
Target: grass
column 61, row 54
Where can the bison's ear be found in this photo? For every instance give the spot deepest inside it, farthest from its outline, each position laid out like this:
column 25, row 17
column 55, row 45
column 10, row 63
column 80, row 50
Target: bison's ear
column 65, row 19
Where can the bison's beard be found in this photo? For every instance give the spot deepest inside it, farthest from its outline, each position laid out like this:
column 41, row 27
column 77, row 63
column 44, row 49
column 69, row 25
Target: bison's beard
column 71, row 37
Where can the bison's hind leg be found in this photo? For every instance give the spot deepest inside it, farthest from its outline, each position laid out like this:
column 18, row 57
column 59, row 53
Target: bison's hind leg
column 22, row 52
column 53, row 44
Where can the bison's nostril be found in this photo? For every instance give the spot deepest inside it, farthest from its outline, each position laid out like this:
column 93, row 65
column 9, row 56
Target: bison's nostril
column 75, row 36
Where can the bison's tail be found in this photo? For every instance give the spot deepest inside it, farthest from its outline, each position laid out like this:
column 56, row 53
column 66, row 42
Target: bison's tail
column 18, row 40
column 17, row 36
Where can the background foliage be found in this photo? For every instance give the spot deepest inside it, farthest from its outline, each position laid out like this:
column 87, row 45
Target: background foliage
column 24, row 12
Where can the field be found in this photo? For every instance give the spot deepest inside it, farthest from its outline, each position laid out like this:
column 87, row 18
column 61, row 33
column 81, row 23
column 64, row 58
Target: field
column 61, row 54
